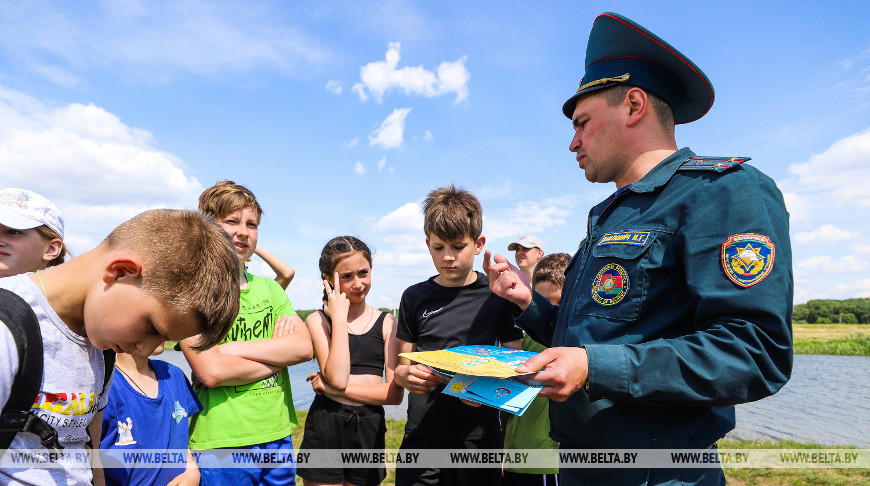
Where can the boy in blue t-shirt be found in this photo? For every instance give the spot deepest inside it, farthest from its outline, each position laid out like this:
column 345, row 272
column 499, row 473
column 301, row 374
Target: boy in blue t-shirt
column 454, row 308
column 150, row 403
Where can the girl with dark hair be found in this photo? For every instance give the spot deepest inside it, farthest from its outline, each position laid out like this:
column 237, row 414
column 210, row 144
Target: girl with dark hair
column 356, row 347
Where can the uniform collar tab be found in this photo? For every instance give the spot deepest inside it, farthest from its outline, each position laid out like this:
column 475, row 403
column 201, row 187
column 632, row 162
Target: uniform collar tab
column 662, row 173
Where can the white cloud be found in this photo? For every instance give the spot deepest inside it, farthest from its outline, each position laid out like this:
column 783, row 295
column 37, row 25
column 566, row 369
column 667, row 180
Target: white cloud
column 408, row 218
column 57, row 75
column 835, row 178
column 828, row 200
column 862, row 248
column 428, row 136
column 401, row 257
column 353, row 143
column 333, row 87
column 528, row 217
column 359, row 168
column 828, row 265
column 800, row 206
column 102, row 171
column 162, row 39
column 390, row 134
column 259, row 267
column 825, row 234
column 499, row 190
column 382, row 163
column 379, row 77
column 856, row 288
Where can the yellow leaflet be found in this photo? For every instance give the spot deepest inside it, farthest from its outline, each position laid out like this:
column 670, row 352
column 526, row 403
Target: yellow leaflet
column 463, row 363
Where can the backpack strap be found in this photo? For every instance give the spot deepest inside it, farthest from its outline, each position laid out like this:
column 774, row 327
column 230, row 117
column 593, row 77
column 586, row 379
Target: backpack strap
column 17, row 415
column 109, row 368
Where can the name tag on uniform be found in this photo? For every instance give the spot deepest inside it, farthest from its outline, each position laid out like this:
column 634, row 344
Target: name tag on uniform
column 624, row 238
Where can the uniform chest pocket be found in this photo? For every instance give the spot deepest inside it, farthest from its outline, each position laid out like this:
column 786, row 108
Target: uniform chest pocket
column 616, row 275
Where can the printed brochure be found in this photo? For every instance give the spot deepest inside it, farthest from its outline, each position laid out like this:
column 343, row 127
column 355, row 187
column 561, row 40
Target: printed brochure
column 482, row 374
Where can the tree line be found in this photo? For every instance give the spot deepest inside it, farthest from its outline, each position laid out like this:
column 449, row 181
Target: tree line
column 829, row 311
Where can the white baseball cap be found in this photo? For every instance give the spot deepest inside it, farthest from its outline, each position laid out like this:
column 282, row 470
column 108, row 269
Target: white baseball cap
column 22, row 209
column 527, row 241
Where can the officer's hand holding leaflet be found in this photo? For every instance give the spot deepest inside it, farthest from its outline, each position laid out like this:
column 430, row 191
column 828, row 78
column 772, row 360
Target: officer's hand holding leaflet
column 566, row 369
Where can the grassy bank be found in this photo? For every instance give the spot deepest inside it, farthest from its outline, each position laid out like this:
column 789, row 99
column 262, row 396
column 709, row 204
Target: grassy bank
column 836, row 339
column 790, row 477
column 736, row 477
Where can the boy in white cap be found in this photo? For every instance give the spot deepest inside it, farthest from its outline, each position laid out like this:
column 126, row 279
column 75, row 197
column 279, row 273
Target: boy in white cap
column 31, row 232
column 529, row 250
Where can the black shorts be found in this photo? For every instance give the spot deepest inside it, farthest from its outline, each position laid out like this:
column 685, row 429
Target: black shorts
column 448, row 476
column 334, row 425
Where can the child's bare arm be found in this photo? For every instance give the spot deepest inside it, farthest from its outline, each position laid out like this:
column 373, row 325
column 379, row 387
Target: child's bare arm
column 284, row 272
column 214, row 368
column 283, row 349
column 190, row 476
column 331, row 341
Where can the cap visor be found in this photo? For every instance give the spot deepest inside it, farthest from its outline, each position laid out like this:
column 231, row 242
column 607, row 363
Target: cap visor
column 17, row 221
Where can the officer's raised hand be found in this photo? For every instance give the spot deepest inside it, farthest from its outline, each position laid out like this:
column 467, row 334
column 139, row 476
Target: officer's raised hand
column 565, row 371
column 507, row 281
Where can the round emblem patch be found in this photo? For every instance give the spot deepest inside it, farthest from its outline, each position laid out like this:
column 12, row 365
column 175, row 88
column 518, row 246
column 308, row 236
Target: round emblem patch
column 747, row 258
column 610, row 285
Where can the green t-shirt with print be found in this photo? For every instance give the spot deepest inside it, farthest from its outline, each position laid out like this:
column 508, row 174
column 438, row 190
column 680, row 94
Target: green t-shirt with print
column 531, row 430
column 258, row 412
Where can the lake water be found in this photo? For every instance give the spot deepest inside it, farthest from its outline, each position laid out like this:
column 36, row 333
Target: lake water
column 827, row 401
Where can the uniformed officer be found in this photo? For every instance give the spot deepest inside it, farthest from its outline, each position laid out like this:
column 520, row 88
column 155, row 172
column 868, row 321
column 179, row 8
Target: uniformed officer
column 678, row 303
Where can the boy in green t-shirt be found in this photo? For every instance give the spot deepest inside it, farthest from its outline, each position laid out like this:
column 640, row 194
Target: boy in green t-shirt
column 532, row 429
column 243, row 383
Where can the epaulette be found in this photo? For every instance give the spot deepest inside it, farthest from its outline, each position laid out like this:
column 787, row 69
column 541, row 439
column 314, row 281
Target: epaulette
column 719, row 164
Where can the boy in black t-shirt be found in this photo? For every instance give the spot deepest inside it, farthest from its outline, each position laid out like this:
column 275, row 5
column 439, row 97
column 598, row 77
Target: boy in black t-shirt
column 453, row 308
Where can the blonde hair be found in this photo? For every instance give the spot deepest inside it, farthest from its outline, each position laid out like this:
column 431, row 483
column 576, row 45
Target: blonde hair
column 48, row 234
column 188, row 263
column 227, row 197
column 452, row 213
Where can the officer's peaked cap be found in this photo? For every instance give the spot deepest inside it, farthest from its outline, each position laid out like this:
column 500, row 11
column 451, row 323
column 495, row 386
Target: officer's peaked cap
column 622, row 52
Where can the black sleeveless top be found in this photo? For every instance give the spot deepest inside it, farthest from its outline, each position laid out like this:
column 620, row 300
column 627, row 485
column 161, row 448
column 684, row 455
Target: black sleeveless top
column 367, row 349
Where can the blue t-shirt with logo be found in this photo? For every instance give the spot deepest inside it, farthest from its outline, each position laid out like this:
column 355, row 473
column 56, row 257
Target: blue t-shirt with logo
column 133, row 422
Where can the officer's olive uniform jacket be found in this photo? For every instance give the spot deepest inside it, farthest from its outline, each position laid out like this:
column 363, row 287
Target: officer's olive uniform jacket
column 669, row 360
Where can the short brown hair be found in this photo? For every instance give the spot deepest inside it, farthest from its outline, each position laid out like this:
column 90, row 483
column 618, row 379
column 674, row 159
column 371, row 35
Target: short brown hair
column 452, row 213
column 227, row 197
column 551, row 269
column 188, row 263
column 664, row 113
column 48, row 234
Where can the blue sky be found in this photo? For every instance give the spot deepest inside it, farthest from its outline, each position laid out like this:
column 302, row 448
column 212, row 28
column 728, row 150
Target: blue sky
column 341, row 116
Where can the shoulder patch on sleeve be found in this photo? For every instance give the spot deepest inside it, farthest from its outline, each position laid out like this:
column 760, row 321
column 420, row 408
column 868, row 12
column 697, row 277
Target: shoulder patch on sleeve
column 719, row 164
column 747, row 258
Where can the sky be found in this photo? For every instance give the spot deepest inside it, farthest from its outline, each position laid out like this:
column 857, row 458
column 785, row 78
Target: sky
column 342, row 116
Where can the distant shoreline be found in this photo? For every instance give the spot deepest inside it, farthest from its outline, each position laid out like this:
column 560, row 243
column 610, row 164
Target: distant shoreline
column 832, row 339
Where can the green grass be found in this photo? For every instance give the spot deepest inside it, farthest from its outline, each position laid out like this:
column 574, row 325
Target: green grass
column 854, row 345
column 791, row 477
